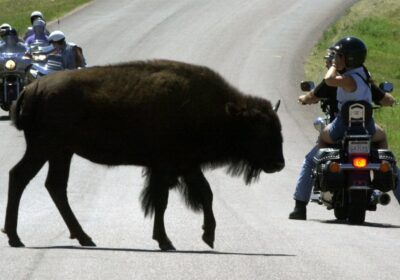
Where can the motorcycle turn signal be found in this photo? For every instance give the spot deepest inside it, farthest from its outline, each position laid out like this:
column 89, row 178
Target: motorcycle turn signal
column 384, row 167
column 334, row 167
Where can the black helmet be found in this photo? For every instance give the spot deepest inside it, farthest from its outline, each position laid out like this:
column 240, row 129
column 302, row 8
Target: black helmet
column 353, row 49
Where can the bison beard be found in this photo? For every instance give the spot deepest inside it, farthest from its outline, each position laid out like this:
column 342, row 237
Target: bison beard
column 175, row 119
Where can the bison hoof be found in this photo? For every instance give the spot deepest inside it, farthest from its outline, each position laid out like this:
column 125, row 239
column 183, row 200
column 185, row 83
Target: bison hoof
column 209, row 240
column 15, row 243
column 87, row 242
column 167, row 247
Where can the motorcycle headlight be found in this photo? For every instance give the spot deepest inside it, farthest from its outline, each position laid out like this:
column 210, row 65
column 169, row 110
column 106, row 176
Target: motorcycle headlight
column 39, row 57
column 10, row 65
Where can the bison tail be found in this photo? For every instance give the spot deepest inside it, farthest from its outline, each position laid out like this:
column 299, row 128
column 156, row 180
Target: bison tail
column 16, row 111
column 22, row 109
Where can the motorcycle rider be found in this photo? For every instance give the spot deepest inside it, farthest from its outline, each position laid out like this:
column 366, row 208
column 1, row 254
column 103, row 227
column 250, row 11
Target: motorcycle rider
column 11, row 45
column 356, row 49
column 3, row 28
column 39, row 35
column 30, row 31
column 72, row 54
column 11, row 41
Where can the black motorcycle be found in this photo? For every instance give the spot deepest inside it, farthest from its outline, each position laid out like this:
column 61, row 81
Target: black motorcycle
column 13, row 65
column 353, row 176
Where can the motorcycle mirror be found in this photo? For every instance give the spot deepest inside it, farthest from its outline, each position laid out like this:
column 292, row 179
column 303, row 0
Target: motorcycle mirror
column 307, row 85
column 386, row 86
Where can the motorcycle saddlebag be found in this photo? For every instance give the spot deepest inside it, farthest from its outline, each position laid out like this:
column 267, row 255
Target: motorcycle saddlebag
column 385, row 181
column 325, row 180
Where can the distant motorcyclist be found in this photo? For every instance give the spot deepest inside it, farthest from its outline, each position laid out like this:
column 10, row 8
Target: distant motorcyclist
column 39, row 35
column 30, row 31
column 72, row 54
column 3, row 28
column 11, row 45
column 11, row 42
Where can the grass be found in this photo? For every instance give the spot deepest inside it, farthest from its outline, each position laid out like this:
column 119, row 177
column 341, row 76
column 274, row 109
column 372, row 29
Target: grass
column 17, row 12
column 377, row 23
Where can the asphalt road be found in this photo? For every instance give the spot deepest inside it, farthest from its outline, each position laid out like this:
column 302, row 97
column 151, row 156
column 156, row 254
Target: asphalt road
column 259, row 46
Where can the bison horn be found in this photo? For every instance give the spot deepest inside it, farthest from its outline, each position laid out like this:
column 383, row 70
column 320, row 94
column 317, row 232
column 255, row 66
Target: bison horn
column 276, row 107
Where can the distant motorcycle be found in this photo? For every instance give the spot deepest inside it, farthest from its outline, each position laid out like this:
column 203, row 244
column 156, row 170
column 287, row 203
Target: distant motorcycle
column 13, row 65
column 44, row 61
column 353, row 176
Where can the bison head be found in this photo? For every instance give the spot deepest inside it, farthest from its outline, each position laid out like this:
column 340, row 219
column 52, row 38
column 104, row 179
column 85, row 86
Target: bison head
column 258, row 139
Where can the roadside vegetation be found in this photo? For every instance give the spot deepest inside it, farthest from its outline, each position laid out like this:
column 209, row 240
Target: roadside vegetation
column 377, row 23
column 17, row 12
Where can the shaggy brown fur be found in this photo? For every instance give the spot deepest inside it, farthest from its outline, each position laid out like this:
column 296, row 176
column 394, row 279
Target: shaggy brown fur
column 172, row 118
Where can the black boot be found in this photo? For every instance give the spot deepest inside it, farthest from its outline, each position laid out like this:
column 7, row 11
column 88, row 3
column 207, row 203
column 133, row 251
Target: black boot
column 300, row 211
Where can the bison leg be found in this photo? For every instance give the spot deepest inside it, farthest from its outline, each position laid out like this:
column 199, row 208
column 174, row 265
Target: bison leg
column 199, row 191
column 155, row 199
column 20, row 175
column 56, row 184
column 159, row 233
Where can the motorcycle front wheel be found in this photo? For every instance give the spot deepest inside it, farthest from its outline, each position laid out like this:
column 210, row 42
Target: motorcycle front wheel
column 340, row 213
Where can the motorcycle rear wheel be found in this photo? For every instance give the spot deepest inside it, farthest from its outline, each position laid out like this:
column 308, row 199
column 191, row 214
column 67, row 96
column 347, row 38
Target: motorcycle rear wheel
column 357, row 208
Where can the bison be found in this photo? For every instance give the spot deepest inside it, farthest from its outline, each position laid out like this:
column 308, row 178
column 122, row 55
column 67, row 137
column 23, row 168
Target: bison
column 172, row 118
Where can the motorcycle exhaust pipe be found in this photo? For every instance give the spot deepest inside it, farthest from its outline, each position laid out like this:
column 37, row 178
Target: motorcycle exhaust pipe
column 380, row 197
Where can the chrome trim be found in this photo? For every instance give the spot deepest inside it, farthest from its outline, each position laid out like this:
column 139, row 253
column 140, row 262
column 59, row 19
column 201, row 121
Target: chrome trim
column 370, row 166
column 359, row 188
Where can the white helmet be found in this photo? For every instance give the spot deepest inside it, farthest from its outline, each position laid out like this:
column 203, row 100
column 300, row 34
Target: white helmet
column 5, row 26
column 56, row 36
column 36, row 14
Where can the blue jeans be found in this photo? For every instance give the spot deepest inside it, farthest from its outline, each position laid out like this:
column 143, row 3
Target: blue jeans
column 305, row 183
column 397, row 190
column 337, row 128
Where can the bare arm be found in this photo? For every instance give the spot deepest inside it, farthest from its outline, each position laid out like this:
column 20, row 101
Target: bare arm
column 334, row 79
column 79, row 59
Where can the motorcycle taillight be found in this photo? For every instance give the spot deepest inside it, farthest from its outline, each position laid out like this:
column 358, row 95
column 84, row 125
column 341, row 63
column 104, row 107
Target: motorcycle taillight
column 360, row 162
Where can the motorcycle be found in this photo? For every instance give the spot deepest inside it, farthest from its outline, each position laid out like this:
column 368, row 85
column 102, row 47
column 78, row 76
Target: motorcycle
column 44, row 61
column 13, row 64
column 352, row 177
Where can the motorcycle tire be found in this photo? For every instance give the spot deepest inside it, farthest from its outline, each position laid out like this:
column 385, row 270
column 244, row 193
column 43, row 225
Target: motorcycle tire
column 340, row 213
column 357, row 208
column 5, row 107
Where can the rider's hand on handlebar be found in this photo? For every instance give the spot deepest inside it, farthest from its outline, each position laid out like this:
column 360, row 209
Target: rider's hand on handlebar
column 302, row 99
column 307, row 99
column 388, row 100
